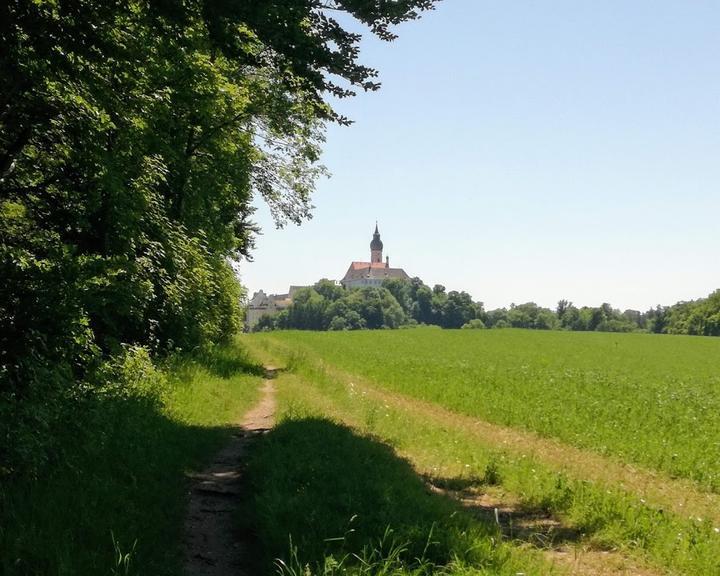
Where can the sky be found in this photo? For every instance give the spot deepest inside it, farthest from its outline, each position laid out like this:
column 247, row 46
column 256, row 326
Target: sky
column 526, row 151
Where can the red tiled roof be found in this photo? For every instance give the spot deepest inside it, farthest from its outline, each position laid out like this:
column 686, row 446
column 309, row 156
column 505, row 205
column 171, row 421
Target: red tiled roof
column 375, row 271
column 366, row 265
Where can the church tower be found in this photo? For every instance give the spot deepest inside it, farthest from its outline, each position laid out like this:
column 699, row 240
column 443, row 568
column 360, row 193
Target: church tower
column 376, row 247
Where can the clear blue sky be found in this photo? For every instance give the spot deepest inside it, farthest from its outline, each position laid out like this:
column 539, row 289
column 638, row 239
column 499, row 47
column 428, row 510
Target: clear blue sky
column 527, row 151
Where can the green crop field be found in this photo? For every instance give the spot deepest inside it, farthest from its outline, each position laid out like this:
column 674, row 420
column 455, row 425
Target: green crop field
column 654, row 400
column 614, row 436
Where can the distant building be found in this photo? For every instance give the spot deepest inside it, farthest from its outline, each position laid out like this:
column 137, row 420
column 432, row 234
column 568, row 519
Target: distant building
column 374, row 272
column 262, row 304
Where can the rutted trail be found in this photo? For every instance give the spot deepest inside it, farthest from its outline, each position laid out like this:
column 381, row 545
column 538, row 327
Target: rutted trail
column 678, row 495
column 212, row 545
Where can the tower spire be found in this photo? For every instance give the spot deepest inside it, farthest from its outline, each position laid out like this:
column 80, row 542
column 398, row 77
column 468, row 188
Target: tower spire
column 376, row 246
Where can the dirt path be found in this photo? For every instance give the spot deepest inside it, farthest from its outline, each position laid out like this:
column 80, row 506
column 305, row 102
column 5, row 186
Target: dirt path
column 560, row 543
column 680, row 496
column 212, row 547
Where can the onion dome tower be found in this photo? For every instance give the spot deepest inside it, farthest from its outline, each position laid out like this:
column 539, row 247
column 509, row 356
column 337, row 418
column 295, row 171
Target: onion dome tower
column 376, row 247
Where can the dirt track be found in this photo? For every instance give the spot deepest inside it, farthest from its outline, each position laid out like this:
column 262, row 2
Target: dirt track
column 212, row 546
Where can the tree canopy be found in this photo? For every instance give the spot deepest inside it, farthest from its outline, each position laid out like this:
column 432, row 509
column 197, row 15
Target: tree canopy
column 328, row 306
column 133, row 138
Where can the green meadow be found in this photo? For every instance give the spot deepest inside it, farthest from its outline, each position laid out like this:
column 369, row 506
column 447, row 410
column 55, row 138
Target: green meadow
column 611, row 436
column 649, row 399
column 408, row 452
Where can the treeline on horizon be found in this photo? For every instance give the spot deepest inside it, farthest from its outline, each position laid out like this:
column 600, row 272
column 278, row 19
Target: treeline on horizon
column 406, row 303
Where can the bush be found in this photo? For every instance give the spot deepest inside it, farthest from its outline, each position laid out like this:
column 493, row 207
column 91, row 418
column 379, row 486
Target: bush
column 338, row 323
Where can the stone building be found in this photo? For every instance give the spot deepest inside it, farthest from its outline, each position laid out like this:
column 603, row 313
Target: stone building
column 262, row 304
column 372, row 273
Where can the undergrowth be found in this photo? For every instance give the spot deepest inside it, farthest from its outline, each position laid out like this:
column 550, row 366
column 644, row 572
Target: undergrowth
column 113, row 500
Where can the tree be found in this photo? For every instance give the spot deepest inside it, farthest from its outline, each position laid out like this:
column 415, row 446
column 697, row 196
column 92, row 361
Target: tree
column 494, row 317
column 308, row 310
column 133, row 137
column 338, row 323
column 329, row 290
column 562, row 308
column 402, row 291
column 456, row 310
column 571, row 319
column 530, row 315
column 422, row 307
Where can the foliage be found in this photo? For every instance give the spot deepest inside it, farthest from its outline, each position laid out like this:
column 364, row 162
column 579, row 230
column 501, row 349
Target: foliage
column 133, row 136
column 327, row 306
column 699, row 317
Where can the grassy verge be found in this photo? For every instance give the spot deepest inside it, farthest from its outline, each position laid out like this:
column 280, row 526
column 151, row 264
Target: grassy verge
column 328, row 500
column 603, row 516
column 114, row 502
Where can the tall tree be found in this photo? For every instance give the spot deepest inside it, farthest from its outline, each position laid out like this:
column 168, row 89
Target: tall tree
column 133, row 136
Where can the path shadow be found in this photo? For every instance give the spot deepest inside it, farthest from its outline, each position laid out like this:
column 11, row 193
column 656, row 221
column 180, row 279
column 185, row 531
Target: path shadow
column 330, row 491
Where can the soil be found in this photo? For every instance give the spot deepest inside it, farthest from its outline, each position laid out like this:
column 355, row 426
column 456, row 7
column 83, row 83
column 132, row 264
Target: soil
column 212, row 546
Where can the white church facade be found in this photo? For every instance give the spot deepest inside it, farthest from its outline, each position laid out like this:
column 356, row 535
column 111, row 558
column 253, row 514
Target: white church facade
column 373, row 273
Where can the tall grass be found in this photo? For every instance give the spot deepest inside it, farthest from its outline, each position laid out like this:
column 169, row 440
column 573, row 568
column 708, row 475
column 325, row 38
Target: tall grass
column 114, row 503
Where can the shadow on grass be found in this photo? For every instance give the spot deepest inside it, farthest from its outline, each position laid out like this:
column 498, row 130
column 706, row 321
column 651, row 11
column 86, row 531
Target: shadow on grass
column 332, row 492
column 227, row 361
column 117, row 487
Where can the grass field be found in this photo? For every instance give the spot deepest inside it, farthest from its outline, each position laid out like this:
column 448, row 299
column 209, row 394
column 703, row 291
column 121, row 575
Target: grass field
column 409, row 452
column 550, row 420
column 649, row 399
